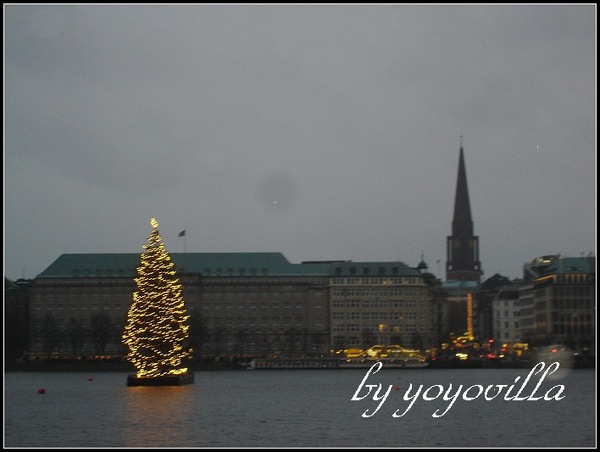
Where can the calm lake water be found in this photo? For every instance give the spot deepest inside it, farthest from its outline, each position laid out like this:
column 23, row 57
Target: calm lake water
column 297, row 408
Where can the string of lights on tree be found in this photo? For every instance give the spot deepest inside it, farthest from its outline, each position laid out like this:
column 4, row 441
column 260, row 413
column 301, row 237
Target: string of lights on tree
column 157, row 321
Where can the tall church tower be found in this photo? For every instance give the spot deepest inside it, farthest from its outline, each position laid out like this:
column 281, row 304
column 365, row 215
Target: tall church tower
column 462, row 247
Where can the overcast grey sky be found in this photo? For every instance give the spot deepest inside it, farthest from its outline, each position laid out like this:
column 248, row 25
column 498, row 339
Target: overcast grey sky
column 318, row 131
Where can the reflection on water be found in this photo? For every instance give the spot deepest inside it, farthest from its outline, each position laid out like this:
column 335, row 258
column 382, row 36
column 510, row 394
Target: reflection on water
column 291, row 408
column 559, row 353
column 156, row 416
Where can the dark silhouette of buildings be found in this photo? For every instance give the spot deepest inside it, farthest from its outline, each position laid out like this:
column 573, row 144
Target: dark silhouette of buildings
column 16, row 318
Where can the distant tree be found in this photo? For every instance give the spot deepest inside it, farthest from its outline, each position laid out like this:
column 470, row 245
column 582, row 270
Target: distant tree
column 218, row 336
column 339, row 342
column 264, row 341
column 199, row 333
column 241, row 339
column 290, row 340
column 16, row 324
column 416, row 341
column 367, row 338
column 75, row 335
column 318, row 342
column 101, row 331
column 278, row 340
column 50, row 332
column 397, row 340
column 305, row 340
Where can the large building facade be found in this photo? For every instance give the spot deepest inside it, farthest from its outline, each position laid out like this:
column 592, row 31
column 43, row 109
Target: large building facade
column 383, row 303
column 284, row 311
column 562, row 292
column 506, row 314
column 240, row 304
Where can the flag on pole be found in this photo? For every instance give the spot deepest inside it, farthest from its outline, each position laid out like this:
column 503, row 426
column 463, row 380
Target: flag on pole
column 182, row 233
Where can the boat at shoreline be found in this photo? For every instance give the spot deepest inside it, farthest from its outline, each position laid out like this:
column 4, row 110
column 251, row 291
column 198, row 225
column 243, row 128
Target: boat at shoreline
column 335, row 363
column 391, row 356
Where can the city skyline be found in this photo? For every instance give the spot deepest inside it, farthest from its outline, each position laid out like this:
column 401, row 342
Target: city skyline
column 318, row 131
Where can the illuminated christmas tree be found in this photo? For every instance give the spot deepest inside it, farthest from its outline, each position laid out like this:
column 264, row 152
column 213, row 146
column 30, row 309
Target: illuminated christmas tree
column 157, row 321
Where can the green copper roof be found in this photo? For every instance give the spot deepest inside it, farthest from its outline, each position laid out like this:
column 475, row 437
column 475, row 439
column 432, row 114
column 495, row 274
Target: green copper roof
column 568, row 265
column 207, row 264
column 557, row 265
column 455, row 284
column 371, row 269
column 92, row 265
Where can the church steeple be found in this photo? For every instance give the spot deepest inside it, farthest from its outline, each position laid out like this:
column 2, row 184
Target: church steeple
column 462, row 246
column 462, row 223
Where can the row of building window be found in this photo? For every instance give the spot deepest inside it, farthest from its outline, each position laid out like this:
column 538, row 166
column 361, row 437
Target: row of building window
column 571, row 317
column 353, row 341
column 231, row 271
column 506, row 324
column 583, row 291
column 373, row 304
column 275, row 328
column 241, row 294
column 376, row 328
column 117, row 292
column 375, row 281
column 243, row 324
column 251, row 307
column 84, row 297
column 573, row 304
column 231, row 345
column 561, row 328
column 575, row 279
column 377, row 292
column 76, row 309
column 103, row 272
column 410, row 316
column 254, row 320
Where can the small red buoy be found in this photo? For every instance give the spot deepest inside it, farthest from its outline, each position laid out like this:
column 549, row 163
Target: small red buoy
column 41, row 391
column 396, row 388
column 90, row 379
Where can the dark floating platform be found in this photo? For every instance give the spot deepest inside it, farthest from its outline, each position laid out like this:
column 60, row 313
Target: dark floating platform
column 171, row 380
